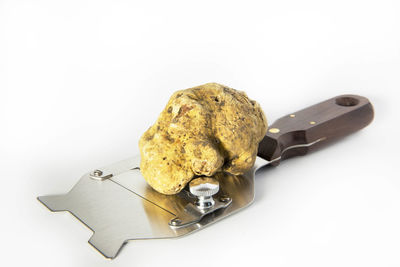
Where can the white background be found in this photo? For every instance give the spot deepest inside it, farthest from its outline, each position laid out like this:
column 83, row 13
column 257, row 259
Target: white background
column 80, row 81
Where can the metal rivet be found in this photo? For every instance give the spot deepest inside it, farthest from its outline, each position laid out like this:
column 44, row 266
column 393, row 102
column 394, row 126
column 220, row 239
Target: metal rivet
column 224, row 199
column 274, row 130
column 176, row 221
column 97, row 173
column 292, row 115
column 312, row 122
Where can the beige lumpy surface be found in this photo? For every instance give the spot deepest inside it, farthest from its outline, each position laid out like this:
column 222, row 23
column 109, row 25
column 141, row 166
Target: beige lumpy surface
column 202, row 130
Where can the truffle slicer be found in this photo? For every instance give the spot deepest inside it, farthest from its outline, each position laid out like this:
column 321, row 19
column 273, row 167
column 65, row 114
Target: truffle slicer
column 116, row 203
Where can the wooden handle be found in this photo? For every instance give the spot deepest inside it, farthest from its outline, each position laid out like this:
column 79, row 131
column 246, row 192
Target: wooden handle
column 313, row 127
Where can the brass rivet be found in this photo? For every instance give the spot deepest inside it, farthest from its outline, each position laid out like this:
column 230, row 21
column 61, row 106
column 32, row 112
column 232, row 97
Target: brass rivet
column 274, row 130
column 292, row 115
column 312, row 122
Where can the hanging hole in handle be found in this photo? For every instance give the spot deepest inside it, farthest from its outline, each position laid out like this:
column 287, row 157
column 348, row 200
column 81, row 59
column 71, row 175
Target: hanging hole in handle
column 347, row 101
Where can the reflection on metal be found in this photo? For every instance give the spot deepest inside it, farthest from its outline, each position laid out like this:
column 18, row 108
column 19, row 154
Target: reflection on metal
column 297, row 146
column 116, row 203
column 204, row 188
column 193, row 214
column 123, row 207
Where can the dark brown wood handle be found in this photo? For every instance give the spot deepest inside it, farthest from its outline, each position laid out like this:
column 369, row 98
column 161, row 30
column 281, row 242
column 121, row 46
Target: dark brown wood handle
column 311, row 128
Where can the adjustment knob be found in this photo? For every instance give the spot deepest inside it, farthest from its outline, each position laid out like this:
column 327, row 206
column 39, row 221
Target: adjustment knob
column 204, row 188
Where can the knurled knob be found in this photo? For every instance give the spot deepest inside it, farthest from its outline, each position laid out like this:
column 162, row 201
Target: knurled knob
column 204, row 187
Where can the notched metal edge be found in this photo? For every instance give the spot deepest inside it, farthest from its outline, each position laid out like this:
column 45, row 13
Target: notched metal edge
column 92, row 244
column 40, row 199
column 200, row 225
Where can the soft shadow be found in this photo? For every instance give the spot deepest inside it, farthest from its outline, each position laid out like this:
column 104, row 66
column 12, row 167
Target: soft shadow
column 260, row 181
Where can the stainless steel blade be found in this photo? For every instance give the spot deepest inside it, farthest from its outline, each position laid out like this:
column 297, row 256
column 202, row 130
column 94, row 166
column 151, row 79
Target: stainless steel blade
column 116, row 203
column 123, row 207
